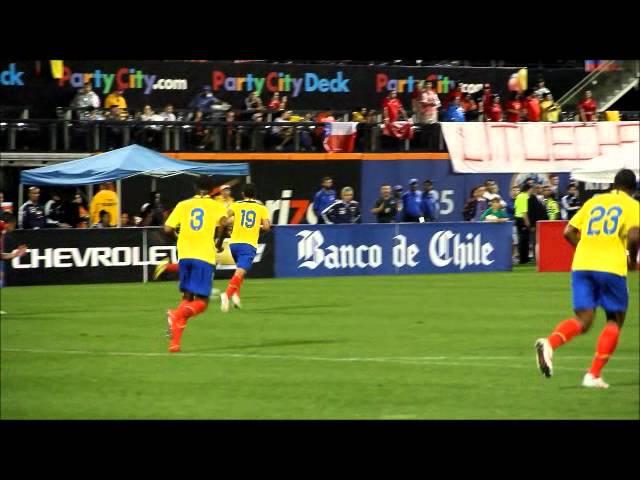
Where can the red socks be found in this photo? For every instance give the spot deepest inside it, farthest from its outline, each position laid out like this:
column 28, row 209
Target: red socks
column 564, row 331
column 172, row 267
column 190, row 309
column 182, row 313
column 607, row 343
column 234, row 285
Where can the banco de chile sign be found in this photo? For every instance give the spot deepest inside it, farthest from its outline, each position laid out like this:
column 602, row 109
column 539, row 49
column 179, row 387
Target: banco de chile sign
column 332, row 250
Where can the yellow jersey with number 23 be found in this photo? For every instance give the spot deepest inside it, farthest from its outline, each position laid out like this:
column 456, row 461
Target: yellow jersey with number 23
column 604, row 222
column 197, row 218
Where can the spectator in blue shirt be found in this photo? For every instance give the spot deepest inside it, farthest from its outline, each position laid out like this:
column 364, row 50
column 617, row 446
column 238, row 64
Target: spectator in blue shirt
column 323, row 198
column 345, row 210
column 31, row 214
column 430, row 204
column 411, row 203
column 511, row 208
column 204, row 100
column 455, row 112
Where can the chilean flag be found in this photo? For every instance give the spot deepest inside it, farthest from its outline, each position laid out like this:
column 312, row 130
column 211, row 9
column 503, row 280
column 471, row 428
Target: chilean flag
column 400, row 130
column 340, row 136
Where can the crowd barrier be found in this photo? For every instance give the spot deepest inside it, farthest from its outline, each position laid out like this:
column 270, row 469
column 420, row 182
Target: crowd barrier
column 59, row 256
column 131, row 254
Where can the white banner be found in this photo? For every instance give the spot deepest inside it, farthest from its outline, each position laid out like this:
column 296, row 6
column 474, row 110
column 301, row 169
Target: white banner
column 542, row 147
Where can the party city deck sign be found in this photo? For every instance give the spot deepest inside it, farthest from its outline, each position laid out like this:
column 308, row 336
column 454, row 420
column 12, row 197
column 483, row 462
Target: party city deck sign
column 281, row 82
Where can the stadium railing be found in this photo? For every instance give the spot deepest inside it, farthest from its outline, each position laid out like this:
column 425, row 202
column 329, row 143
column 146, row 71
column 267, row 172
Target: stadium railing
column 64, row 135
column 74, row 135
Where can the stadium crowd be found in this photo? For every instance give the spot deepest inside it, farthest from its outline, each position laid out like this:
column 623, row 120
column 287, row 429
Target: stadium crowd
column 241, row 124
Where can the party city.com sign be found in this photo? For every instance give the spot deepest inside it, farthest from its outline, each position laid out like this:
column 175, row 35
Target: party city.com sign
column 122, row 79
column 281, row 82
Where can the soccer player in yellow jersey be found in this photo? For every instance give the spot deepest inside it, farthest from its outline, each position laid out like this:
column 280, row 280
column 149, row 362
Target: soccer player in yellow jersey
column 247, row 217
column 197, row 218
column 601, row 231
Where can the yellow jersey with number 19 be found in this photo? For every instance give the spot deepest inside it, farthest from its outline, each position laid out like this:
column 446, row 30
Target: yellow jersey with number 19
column 197, row 218
column 604, row 222
column 248, row 219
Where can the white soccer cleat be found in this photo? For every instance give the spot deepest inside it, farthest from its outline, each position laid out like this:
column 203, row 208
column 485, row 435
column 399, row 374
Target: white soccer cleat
column 224, row 302
column 544, row 356
column 590, row 381
column 235, row 298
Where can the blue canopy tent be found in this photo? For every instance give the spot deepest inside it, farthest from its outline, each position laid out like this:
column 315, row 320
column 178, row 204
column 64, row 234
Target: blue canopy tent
column 120, row 164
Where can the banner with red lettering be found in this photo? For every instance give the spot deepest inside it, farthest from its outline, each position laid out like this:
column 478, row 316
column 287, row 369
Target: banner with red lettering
column 542, row 147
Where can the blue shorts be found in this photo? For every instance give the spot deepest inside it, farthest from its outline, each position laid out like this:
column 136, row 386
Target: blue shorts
column 592, row 289
column 196, row 276
column 243, row 254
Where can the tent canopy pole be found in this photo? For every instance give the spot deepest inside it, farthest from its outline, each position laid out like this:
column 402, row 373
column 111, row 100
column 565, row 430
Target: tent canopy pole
column 89, row 205
column 119, row 187
column 20, row 201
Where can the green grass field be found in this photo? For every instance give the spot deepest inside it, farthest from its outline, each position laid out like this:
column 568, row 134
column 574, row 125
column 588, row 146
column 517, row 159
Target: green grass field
column 404, row 347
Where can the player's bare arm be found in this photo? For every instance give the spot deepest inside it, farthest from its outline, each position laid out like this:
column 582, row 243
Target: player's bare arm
column 18, row 252
column 170, row 231
column 633, row 241
column 266, row 225
column 572, row 234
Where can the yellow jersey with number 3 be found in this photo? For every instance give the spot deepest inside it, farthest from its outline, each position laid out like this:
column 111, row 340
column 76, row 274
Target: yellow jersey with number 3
column 248, row 219
column 197, row 218
column 604, row 222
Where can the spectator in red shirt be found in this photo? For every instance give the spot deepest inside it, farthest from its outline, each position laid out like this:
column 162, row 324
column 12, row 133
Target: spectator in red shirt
column 513, row 108
column 532, row 106
column 486, row 101
column 392, row 107
column 495, row 111
column 587, row 108
column 275, row 103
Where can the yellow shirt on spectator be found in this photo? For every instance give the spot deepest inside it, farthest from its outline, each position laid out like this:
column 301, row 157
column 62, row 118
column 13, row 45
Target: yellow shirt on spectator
column 117, row 100
column 550, row 111
column 521, row 205
column 104, row 200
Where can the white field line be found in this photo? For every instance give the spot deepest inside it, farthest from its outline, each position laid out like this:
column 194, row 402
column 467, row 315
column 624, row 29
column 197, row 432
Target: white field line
column 440, row 360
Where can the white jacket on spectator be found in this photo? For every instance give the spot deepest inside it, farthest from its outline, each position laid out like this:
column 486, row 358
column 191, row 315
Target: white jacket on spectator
column 89, row 99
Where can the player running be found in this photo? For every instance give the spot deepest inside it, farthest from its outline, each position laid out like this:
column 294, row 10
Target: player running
column 247, row 217
column 197, row 218
column 601, row 231
column 221, row 195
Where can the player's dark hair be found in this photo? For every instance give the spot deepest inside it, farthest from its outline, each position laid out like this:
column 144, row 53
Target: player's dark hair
column 249, row 191
column 626, row 180
column 204, row 183
column 525, row 187
column 324, row 179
